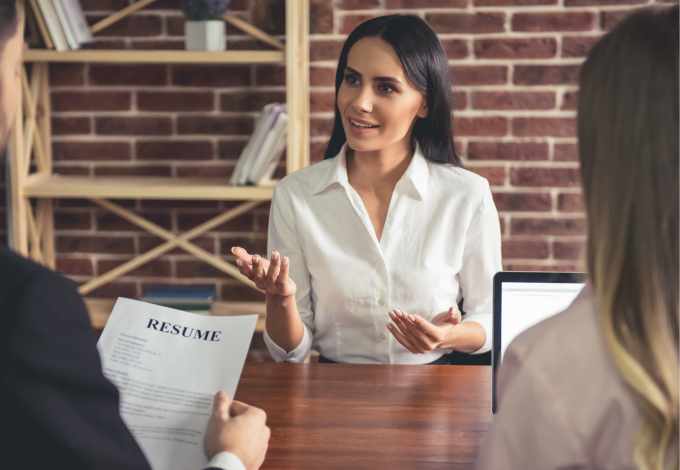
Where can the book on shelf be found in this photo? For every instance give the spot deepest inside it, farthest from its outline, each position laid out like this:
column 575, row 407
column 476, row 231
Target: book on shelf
column 64, row 22
column 261, row 155
column 194, row 299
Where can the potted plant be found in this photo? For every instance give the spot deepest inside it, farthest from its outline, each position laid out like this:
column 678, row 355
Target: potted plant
column 205, row 30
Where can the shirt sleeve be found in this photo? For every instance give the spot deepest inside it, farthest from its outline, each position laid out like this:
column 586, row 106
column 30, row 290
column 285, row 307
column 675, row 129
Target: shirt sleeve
column 531, row 429
column 283, row 237
column 225, row 461
column 481, row 261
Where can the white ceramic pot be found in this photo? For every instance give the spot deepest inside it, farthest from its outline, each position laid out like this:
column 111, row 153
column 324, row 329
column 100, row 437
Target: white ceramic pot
column 205, row 35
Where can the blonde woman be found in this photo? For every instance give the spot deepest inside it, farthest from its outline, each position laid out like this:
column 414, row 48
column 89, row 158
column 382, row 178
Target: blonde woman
column 597, row 386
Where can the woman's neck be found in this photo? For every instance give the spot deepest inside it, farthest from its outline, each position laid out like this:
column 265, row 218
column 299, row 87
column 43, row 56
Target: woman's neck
column 379, row 170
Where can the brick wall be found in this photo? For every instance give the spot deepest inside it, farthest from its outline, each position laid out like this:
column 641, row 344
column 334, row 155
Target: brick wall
column 515, row 66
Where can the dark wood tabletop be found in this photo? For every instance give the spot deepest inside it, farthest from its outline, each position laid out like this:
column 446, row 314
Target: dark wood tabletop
column 347, row 416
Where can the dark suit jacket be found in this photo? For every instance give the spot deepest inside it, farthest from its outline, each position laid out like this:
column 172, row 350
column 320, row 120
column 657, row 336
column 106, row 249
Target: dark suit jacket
column 57, row 410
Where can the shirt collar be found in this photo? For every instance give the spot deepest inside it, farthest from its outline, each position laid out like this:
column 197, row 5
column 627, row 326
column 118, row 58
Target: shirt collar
column 417, row 172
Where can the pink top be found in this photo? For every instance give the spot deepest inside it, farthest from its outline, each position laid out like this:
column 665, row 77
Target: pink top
column 562, row 403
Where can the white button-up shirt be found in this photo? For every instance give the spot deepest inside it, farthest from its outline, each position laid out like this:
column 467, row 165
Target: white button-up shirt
column 441, row 242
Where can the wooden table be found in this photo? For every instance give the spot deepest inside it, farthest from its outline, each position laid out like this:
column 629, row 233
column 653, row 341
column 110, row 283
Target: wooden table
column 342, row 416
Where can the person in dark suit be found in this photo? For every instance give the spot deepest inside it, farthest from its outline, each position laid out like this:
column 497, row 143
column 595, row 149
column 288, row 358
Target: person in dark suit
column 57, row 410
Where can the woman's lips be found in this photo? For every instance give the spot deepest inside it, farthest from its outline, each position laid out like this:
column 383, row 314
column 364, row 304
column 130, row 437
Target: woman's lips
column 356, row 130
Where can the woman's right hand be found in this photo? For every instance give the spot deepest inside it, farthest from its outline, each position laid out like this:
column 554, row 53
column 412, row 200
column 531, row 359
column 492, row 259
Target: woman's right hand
column 269, row 276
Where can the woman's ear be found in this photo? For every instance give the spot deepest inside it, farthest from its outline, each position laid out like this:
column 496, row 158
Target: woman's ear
column 424, row 110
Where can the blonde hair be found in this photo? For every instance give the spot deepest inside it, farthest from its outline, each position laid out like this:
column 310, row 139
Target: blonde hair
column 628, row 145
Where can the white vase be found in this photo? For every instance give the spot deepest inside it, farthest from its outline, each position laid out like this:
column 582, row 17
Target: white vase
column 205, row 35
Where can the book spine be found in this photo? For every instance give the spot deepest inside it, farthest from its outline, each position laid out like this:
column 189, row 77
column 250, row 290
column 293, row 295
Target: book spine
column 53, row 25
column 77, row 21
column 41, row 24
column 68, row 32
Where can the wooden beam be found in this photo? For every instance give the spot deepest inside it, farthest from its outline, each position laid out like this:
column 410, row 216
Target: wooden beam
column 17, row 178
column 255, row 32
column 116, row 17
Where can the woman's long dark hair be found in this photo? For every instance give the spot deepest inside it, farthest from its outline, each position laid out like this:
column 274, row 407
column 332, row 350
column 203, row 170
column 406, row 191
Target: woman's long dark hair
column 426, row 66
column 10, row 11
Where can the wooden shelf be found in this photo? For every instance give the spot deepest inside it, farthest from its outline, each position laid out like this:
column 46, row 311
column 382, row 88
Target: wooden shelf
column 134, row 187
column 156, row 57
column 100, row 310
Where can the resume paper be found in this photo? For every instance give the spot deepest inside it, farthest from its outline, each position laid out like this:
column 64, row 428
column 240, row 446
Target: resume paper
column 168, row 365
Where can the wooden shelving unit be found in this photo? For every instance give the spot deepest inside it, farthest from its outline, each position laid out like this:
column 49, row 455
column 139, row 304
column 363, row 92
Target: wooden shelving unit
column 32, row 224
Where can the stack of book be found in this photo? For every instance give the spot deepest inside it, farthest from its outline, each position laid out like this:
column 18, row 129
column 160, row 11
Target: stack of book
column 61, row 23
column 261, row 156
column 194, row 299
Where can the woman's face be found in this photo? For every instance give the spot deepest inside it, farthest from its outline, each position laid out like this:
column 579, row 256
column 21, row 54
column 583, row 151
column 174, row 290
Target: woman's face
column 377, row 102
column 11, row 59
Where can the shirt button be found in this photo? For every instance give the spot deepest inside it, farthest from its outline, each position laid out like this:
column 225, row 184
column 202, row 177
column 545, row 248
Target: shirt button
column 383, row 336
column 381, row 301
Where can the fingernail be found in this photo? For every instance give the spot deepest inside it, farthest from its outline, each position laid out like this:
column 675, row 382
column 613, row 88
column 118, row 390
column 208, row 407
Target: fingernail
column 232, row 249
column 256, row 259
column 412, row 318
column 392, row 315
column 239, row 263
column 275, row 256
column 285, row 261
column 398, row 312
column 389, row 325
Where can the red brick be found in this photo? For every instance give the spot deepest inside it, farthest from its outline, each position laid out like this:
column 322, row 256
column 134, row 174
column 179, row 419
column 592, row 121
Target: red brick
column 241, row 293
column 512, row 3
column 214, row 125
column 175, row 150
column 103, row 5
column 159, row 45
column 67, row 74
column 95, row 244
column 554, row 21
column 107, row 222
column 114, row 290
column 91, row 151
column 592, row 3
column 525, row 249
column 74, row 266
column 136, row 170
column 321, row 17
column 154, row 268
column 459, row 100
column 185, row 101
column 566, row 153
column 269, row 16
column 128, row 75
column 322, row 101
column 91, row 101
column 356, row 4
column 570, row 100
column 456, row 48
column 211, row 75
column 108, row 44
column 206, row 171
column 131, row 26
column 578, row 46
column 494, row 174
column 133, row 125
column 569, row 202
column 542, row 267
column 544, row 127
column 510, row 48
column 523, row 202
column 230, row 150
column 70, row 125
column 320, row 76
column 513, row 100
column 178, row 204
column 545, row 177
column 250, row 101
column 479, row 75
column 546, row 74
column 172, row 5
column 72, row 221
column 349, row 22
column 326, row 49
column 467, row 23
column 71, row 170
column 414, row 4
column 568, row 250
column 486, row 126
column 501, row 221
column 609, row 19
column 244, row 44
column 147, row 243
column 175, row 25
column 321, row 126
column 276, row 75
column 251, row 244
column 242, row 223
column 507, row 151
column 547, row 226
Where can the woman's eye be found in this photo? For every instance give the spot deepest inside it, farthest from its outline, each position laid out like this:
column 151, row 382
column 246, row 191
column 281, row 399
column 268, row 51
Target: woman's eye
column 386, row 88
column 351, row 80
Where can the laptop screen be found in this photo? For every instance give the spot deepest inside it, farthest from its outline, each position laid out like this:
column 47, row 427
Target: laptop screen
column 521, row 300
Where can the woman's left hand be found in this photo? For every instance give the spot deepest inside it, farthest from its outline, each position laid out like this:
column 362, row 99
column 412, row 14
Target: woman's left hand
column 420, row 336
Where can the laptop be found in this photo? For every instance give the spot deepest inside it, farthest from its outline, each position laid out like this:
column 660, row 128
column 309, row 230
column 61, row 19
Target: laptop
column 521, row 300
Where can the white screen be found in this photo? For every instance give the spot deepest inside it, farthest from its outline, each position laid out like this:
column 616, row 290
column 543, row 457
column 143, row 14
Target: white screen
column 523, row 304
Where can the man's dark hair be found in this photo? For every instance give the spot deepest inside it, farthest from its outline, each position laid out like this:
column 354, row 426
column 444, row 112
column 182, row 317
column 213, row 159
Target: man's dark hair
column 426, row 66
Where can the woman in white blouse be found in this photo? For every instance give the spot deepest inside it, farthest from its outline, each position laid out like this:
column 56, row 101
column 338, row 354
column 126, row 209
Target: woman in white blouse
column 389, row 226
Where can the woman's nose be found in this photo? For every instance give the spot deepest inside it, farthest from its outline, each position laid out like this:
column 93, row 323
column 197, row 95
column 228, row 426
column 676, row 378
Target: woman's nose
column 364, row 101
